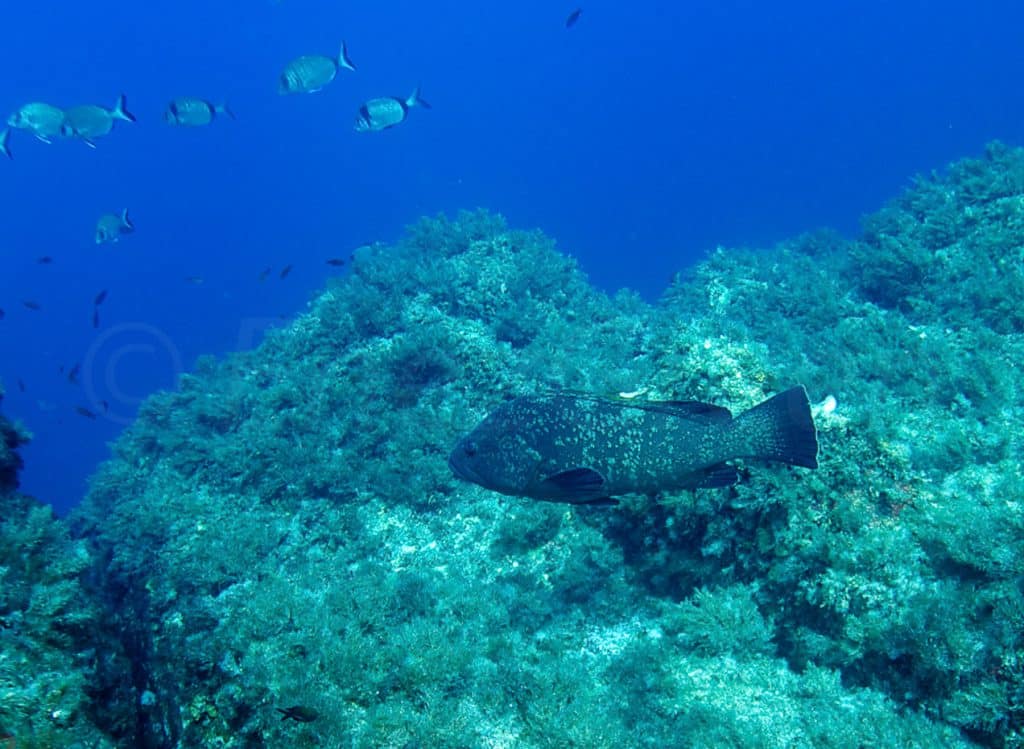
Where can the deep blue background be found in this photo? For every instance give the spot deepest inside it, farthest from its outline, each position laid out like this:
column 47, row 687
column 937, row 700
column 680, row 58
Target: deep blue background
column 639, row 139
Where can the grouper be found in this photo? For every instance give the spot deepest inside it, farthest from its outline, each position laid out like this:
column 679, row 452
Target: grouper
column 585, row 449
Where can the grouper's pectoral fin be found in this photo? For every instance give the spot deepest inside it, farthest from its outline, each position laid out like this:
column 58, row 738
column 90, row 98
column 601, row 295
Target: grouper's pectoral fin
column 577, row 485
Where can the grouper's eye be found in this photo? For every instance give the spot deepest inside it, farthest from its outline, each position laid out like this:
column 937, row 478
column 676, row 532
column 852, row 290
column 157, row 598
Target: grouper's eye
column 469, row 449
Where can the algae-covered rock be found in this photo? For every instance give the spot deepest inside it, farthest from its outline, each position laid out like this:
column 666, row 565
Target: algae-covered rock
column 48, row 621
column 282, row 535
column 11, row 437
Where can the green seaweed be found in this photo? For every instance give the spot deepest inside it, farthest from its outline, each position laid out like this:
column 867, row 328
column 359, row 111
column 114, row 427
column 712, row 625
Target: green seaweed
column 49, row 624
column 282, row 529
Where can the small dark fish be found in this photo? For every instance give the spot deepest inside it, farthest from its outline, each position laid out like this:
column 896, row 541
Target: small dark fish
column 100, row 298
column 2, row 313
column 95, row 317
column 264, row 273
column 337, row 262
column 83, row 411
column 45, row 260
column 298, row 713
column 285, row 271
column 73, row 374
column 5, row 139
column 32, row 305
column 583, row 449
column 21, row 385
column 573, row 18
column 105, row 406
column 194, row 280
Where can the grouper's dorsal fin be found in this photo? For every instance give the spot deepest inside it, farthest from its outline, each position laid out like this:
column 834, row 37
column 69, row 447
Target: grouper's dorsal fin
column 694, row 410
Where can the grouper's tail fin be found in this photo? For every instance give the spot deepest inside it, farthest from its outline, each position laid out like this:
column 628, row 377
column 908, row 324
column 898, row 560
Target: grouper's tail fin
column 782, row 429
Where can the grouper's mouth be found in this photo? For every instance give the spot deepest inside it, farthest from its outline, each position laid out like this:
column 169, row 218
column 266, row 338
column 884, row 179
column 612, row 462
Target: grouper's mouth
column 459, row 467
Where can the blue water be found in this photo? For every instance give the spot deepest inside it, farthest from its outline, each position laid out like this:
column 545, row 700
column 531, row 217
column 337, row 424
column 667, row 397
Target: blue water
column 642, row 137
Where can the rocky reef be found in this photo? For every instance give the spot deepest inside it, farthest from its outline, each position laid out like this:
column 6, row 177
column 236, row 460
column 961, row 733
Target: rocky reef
column 11, row 437
column 278, row 555
column 49, row 634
